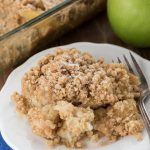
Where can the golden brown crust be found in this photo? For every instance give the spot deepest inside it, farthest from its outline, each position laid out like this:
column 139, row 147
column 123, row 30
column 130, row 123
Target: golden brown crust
column 119, row 120
column 21, row 103
column 76, row 77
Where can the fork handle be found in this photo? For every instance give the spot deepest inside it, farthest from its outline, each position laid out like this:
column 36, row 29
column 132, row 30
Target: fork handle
column 144, row 113
column 145, row 101
column 145, row 119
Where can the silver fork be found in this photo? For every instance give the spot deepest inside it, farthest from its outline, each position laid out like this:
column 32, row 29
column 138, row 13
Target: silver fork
column 145, row 93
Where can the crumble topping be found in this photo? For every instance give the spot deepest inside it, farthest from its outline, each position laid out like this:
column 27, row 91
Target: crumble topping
column 76, row 77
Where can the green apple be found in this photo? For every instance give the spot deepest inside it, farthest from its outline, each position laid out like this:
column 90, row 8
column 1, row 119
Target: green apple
column 130, row 20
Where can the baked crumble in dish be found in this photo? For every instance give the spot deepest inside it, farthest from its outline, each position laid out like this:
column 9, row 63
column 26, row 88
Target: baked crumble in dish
column 14, row 13
column 69, row 97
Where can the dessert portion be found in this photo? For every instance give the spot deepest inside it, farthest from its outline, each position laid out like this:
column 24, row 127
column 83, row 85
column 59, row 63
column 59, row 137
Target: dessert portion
column 14, row 13
column 69, row 97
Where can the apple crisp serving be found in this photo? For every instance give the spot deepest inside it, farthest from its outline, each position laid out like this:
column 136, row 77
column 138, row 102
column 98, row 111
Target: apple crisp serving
column 69, row 97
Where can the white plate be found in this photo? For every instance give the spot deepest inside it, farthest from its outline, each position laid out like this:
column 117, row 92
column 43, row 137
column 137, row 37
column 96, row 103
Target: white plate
column 16, row 131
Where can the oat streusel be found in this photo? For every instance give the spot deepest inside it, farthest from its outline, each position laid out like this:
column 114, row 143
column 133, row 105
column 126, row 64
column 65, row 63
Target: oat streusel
column 69, row 96
column 118, row 120
column 76, row 77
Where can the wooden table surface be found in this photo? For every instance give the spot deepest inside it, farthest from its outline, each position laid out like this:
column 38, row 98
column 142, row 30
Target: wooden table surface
column 96, row 30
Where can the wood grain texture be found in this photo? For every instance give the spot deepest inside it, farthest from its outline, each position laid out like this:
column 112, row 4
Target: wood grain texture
column 97, row 30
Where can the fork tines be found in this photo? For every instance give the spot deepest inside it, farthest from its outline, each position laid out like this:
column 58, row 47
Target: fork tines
column 140, row 72
column 144, row 84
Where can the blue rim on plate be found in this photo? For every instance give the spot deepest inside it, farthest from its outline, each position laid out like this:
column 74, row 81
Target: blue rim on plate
column 3, row 144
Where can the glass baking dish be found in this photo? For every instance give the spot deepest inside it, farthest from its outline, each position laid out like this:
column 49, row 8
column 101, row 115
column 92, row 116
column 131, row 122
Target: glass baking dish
column 22, row 42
